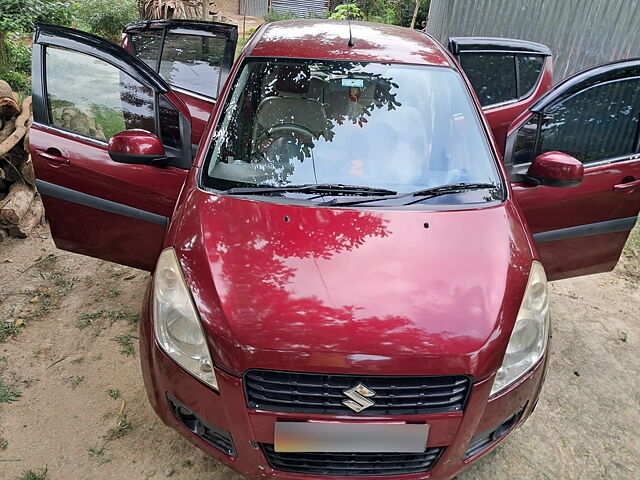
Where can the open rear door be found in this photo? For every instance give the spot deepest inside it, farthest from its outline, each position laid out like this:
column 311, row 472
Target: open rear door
column 85, row 90
column 593, row 116
column 194, row 57
column 507, row 75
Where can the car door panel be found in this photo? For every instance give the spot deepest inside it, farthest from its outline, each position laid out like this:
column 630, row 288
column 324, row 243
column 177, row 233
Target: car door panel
column 171, row 47
column 583, row 229
column 507, row 75
column 95, row 206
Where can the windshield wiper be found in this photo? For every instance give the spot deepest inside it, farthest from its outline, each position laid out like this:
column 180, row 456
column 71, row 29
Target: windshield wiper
column 328, row 188
column 422, row 194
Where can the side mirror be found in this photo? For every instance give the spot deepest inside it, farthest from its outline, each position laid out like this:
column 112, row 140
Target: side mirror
column 556, row 169
column 137, row 147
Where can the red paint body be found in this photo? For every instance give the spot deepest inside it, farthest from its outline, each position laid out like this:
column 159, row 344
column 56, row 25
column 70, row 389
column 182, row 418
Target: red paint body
column 136, row 142
column 556, row 166
column 336, row 290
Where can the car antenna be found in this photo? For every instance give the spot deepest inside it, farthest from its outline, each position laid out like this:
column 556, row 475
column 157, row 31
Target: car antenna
column 350, row 42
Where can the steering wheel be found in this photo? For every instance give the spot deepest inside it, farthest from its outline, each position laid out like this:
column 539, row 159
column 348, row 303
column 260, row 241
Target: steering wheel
column 282, row 128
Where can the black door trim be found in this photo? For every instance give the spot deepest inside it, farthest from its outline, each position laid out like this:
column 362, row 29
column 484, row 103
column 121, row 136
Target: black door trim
column 70, row 195
column 598, row 228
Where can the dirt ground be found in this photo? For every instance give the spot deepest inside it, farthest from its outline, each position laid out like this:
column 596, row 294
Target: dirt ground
column 83, row 413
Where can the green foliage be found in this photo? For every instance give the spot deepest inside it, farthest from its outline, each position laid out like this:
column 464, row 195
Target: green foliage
column 8, row 392
column 114, row 393
column 273, row 16
column 346, row 12
column 106, row 18
column 21, row 15
column 34, row 475
column 397, row 12
column 123, row 427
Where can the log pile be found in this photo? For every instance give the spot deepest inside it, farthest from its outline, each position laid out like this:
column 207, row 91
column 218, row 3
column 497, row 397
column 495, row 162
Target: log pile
column 20, row 207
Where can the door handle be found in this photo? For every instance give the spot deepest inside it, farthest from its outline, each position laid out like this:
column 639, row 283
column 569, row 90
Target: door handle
column 53, row 155
column 627, row 186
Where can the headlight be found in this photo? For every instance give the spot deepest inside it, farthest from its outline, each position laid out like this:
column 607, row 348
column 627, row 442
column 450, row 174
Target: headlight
column 176, row 323
column 530, row 332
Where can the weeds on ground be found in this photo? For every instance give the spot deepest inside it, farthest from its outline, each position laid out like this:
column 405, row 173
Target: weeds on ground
column 114, row 292
column 186, row 464
column 123, row 427
column 114, row 393
column 113, row 316
column 4, row 444
column 126, row 344
column 33, row 475
column 8, row 391
column 10, row 328
column 99, row 454
column 77, row 361
column 77, row 380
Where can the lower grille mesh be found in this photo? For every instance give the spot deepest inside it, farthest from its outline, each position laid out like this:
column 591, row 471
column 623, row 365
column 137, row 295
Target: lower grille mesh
column 352, row 464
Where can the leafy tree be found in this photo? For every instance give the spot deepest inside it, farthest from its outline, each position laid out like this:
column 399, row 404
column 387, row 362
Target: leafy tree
column 105, row 17
column 347, row 11
column 20, row 16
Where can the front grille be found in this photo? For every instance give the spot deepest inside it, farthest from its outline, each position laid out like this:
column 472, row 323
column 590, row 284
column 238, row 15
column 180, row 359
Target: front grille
column 352, row 464
column 320, row 393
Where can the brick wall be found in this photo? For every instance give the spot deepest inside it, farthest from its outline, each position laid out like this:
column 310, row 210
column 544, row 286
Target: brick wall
column 226, row 6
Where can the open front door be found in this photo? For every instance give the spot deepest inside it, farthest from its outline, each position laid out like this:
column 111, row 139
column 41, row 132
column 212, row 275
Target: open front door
column 194, row 57
column 85, row 90
column 507, row 75
column 595, row 117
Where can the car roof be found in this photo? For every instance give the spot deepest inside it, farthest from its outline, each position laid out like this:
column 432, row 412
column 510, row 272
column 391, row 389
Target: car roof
column 329, row 40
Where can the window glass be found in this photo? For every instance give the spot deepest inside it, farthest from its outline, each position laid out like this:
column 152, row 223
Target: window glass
column 529, row 69
column 492, row 75
column 525, row 141
column 595, row 124
column 93, row 98
column 192, row 62
column 380, row 125
column 169, row 123
column 146, row 46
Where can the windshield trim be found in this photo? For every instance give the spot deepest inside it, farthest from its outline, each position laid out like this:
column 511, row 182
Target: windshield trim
column 481, row 121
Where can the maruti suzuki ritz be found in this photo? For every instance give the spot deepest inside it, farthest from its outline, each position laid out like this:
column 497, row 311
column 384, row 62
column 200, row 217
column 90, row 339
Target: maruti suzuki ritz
column 351, row 228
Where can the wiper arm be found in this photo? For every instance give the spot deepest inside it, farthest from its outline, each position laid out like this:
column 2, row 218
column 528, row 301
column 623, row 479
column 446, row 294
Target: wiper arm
column 451, row 188
column 424, row 193
column 329, row 188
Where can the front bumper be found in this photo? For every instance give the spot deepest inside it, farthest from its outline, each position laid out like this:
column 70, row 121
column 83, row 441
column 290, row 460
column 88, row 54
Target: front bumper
column 465, row 435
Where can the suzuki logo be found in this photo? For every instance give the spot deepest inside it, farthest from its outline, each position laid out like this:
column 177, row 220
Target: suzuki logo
column 358, row 396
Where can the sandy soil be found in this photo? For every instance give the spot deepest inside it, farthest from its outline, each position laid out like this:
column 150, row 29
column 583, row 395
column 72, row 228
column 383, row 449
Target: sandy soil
column 65, row 359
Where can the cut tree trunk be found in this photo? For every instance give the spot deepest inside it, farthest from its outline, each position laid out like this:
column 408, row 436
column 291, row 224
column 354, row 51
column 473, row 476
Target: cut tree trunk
column 8, row 100
column 17, row 203
column 23, row 122
column 29, row 221
column 27, row 173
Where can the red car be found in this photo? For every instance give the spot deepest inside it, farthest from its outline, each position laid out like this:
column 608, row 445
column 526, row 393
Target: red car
column 351, row 270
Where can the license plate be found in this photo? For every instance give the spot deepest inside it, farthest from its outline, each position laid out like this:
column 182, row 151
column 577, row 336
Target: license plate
column 350, row 437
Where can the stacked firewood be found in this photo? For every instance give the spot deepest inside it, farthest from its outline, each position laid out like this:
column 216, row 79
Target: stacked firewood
column 20, row 207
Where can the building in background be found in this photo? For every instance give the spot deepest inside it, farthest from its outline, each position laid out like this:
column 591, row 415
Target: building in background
column 302, row 8
column 581, row 33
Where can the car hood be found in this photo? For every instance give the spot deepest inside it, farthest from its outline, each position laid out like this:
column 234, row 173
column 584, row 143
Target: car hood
column 293, row 287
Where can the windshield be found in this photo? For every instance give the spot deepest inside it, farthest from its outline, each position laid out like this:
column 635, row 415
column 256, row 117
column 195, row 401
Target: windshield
column 397, row 127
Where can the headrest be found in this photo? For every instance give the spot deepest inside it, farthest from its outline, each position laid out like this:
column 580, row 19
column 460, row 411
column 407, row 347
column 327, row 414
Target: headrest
column 293, row 79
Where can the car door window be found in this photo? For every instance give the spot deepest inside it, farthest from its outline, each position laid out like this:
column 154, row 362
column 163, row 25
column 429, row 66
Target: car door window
column 492, row 75
column 192, row 62
column 501, row 77
column 146, row 46
column 529, row 71
column 88, row 96
column 594, row 124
